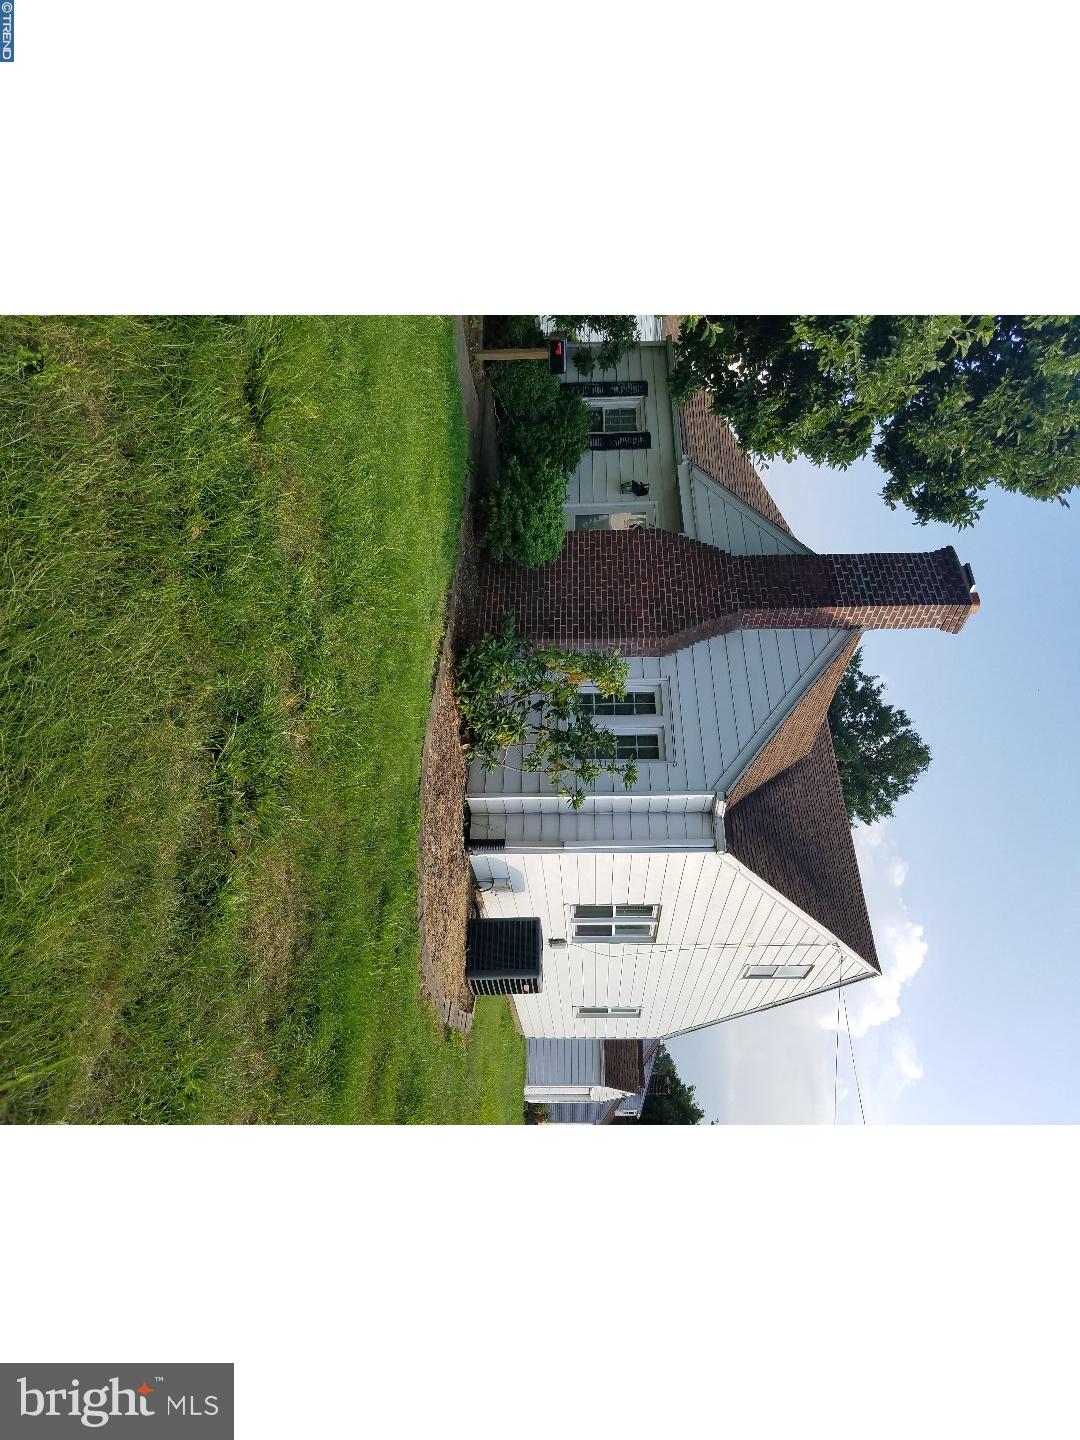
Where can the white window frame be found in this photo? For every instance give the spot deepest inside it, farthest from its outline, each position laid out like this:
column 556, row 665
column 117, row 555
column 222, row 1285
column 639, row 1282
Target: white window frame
column 776, row 972
column 608, row 1012
column 610, row 925
column 638, row 731
column 630, row 506
column 604, row 403
column 641, row 724
column 633, row 687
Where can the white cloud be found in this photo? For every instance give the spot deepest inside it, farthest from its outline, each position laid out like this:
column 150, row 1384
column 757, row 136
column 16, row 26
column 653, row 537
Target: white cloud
column 901, row 941
column 907, row 1062
column 902, row 949
column 778, row 1066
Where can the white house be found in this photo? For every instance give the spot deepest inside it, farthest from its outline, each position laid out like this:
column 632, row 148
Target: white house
column 724, row 881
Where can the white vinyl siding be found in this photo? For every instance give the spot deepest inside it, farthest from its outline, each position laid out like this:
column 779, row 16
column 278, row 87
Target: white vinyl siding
column 716, row 919
column 565, row 1062
column 600, row 475
column 620, row 819
column 718, row 701
column 715, row 516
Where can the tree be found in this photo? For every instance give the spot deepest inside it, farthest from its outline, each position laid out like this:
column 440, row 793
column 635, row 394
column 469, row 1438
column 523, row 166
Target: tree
column 514, row 693
column 614, row 335
column 948, row 404
column 878, row 753
column 669, row 1101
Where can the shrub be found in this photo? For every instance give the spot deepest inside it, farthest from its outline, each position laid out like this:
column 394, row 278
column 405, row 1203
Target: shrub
column 539, row 419
column 522, row 518
column 514, row 693
column 615, row 334
column 543, row 433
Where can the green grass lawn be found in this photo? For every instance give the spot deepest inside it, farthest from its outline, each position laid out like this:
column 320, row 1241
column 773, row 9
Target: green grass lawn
column 225, row 547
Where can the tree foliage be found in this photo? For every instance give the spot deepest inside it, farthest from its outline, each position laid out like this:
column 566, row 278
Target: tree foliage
column 947, row 404
column 514, row 693
column 614, row 335
column 669, row 1100
column 878, row 752
column 543, row 433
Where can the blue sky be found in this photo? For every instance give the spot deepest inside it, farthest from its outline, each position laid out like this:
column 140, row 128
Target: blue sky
column 973, row 885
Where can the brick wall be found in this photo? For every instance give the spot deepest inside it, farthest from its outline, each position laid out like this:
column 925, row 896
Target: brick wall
column 651, row 592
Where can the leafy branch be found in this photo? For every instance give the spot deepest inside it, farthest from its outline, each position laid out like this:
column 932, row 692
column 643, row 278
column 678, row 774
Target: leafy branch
column 513, row 693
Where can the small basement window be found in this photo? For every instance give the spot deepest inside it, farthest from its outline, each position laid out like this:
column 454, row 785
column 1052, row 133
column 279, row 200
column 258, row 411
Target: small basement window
column 612, row 1012
column 776, row 972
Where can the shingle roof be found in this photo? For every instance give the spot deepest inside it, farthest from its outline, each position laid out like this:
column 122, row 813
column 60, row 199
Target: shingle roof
column 796, row 736
column 629, row 1108
column 624, row 1065
column 785, row 817
column 794, row 832
column 710, row 444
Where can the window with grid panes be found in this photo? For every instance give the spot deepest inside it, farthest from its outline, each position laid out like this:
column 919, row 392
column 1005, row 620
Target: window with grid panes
column 613, row 419
column 634, row 702
column 616, row 922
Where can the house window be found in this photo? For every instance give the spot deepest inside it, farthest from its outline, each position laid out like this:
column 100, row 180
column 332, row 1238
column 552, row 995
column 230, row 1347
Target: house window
column 606, row 1012
column 639, row 745
column 635, row 923
column 634, row 702
column 620, row 419
column 614, row 520
column 624, row 716
column 642, row 745
column 776, row 972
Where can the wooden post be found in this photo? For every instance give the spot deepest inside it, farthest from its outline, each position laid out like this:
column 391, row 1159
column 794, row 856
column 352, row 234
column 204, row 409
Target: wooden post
column 537, row 353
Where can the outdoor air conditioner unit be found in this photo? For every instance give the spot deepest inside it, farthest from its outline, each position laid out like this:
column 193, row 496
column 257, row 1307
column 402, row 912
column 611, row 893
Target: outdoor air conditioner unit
column 504, row 957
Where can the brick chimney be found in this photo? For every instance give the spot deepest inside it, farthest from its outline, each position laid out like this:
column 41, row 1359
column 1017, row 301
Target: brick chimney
column 650, row 592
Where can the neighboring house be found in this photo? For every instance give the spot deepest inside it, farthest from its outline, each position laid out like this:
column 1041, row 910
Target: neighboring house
column 725, row 880
column 590, row 1082
column 623, row 1110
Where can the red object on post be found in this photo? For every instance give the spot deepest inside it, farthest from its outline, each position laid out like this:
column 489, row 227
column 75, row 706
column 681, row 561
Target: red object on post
column 557, row 356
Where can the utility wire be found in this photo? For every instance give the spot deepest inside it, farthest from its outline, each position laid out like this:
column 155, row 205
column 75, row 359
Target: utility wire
column 851, row 1047
column 836, row 1055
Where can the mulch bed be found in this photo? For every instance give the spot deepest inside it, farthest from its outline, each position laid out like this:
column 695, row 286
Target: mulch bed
column 446, row 886
column 446, row 894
